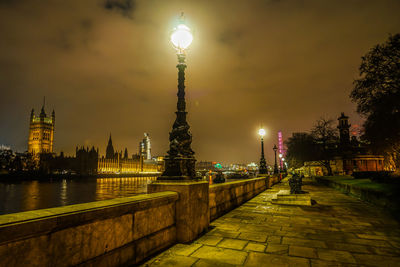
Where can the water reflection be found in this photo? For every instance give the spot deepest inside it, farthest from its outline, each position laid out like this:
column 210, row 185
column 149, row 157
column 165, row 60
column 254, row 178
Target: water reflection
column 31, row 195
column 63, row 194
column 32, row 199
column 107, row 188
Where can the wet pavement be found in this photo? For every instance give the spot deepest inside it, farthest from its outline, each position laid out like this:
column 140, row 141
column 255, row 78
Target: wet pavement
column 339, row 230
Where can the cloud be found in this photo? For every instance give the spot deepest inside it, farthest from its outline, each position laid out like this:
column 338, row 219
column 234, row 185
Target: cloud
column 125, row 7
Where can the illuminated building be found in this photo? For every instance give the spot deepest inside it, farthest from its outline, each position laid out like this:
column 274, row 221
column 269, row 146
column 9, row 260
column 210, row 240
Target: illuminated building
column 205, row 165
column 113, row 162
column 145, row 147
column 41, row 133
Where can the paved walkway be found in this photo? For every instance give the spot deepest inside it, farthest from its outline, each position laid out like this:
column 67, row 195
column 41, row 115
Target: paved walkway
column 338, row 231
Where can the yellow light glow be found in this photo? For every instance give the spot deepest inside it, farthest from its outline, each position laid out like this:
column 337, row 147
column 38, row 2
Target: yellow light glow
column 261, row 132
column 181, row 37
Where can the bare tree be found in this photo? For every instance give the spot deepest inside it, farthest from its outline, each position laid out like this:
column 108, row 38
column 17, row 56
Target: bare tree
column 325, row 138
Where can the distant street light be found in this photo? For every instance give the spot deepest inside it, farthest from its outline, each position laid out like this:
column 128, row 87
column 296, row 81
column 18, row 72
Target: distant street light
column 276, row 170
column 180, row 161
column 284, row 165
column 263, row 164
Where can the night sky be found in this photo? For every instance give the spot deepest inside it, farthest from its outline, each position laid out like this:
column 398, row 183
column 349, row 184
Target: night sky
column 108, row 66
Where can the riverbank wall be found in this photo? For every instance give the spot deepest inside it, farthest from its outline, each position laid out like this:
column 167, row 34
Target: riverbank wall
column 120, row 231
column 227, row 196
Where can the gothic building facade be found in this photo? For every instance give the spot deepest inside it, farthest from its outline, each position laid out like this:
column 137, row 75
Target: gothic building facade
column 41, row 133
column 116, row 162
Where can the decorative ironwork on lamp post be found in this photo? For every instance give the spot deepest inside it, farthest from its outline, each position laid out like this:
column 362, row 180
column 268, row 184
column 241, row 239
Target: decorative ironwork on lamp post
column 180, row 161
column 276, row 170
column 263, row 164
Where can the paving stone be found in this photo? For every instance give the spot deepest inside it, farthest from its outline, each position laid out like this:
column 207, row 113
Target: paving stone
column 260, row 259
column 251, row 228
column 349, row 247
column 385, row 251
column 277, row 248
column 218, row 254
column 332, row 236
column 368, row 242
column 322, row 263
column 211, row 263
column 395, row 244
column 223, row 233
column 232, row 243
column 377, row 260
column 258, row 237
column 335, row 255
column 291, row 234
column 274, row 239
column 303, row 242
column 379, row 237
column 185, row 250
column 210, row 240
column 175, row 261
column 255, row 247
column 302, row 252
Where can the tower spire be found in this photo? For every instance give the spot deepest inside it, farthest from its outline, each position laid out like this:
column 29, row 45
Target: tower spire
column 110, row 149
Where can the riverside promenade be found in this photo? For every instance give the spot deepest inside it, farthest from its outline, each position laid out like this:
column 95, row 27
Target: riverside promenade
column 338, row 231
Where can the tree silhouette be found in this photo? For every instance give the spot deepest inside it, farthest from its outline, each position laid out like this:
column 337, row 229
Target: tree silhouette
column 377, row 94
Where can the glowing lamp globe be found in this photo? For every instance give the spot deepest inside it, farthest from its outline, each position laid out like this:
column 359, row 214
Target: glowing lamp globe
column 181, row 37
column 261, row 132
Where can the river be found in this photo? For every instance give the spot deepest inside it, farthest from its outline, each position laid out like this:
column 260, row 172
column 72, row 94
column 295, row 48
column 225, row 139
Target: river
column 32, row 195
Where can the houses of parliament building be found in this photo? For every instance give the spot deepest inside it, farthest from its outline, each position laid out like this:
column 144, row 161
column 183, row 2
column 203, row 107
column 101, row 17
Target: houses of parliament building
column 86, row 161
column 115, row 162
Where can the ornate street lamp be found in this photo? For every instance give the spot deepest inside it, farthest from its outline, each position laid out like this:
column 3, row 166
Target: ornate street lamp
column 180, row 161
column 276, row 170
column 263, row 164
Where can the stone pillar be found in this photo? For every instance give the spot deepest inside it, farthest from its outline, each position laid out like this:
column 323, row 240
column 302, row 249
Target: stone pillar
column 192, row 210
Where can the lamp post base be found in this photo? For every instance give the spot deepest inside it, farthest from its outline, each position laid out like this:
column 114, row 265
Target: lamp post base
column 179, row 168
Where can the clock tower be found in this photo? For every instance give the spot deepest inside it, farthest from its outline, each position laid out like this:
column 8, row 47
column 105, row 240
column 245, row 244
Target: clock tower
column 344, row 128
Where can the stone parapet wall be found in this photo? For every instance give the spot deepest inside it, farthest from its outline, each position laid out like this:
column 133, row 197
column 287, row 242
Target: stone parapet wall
column 122, row 231
column 103, row 233
column 225, row 197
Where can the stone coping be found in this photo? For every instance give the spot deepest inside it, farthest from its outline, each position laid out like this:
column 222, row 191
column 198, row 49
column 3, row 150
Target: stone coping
column 178, row 182
column 31, row 223
column 235, row 183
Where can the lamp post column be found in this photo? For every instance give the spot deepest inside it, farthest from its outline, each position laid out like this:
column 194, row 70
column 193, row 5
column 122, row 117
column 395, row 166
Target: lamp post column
column 192, row 212
column 276, row 171
column 263, row 164
column 180, row 161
